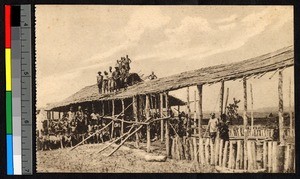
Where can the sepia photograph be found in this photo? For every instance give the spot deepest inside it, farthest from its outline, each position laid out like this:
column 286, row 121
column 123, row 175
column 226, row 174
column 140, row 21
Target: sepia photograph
column 164, row 89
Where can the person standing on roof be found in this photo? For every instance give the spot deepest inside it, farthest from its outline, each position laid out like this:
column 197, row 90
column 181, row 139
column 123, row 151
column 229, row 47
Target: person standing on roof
column 152, row 76
column 99, row 82
column 127, row 62
column 110, row 80
column 105, row 82
column 116, row 76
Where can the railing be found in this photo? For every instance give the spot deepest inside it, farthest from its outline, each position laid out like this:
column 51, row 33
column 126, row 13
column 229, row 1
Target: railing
column 236, row 156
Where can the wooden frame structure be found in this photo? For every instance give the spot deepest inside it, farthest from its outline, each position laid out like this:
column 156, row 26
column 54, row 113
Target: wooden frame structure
column 144, row 94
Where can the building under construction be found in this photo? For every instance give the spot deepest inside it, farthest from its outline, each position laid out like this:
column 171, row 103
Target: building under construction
column 250, row 148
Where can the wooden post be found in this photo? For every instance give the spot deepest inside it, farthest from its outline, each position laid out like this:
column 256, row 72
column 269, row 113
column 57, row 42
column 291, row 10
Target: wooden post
column 195, row 112
column 221, row 97
column 52, row 114
column 245, row 121
column 103, row 108
column 290, row 108
column 280, row 110
column 155, row 103
column 123, row 111
column 188, row 112
column 59, row 115
column 199, row 87
column 252, row 118
column 226, row 100
column 135, row 115
column 161, row 99
column 147, row 110
column 113, row 117
column 167, row 125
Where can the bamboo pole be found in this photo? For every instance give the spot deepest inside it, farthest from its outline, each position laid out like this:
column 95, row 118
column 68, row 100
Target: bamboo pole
column 103, row 108
column 221, row 97
column 91, row 136
column 167, row 125
column 225, row 152
column 226, row 100
column 221, row 152
column 290, row 107
column 116, row 140
column 274, row 152
column 161, row 99
column 188, row 112
column 135, row 115
column 123, row 111
column 270, row 156
column 147, row 110
column 195, row 112
column 201, row 151
column 200, row 87
column 252, row 118
column 264, row 154
column 238, row 155
column 113, row 116
column 134, row 132
column 280, row 110
column 245, row 121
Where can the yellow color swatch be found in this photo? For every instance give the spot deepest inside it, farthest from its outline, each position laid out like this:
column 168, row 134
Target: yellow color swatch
column 8, row 68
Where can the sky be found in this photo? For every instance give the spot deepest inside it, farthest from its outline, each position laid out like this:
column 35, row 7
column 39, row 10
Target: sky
column 74, row 42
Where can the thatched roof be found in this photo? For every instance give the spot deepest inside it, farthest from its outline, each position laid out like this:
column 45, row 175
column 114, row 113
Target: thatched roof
column 269, row 62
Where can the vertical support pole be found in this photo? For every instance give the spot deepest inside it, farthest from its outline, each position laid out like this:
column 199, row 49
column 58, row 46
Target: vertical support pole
column 290, row 107
column 161, row 115
column 113, row 117
column 147, row 110
column 155, row 103
column 135, row 115
column 167, row 125
column 226, row 101
column 199, row 87
column 280, row 109
column 195, row 112
column 245, row 121
column 188, row 112
column 103, row 108
column 123, row 111
column 252, row 118
column 59, row 115
column 221, row 97
column 52, row 114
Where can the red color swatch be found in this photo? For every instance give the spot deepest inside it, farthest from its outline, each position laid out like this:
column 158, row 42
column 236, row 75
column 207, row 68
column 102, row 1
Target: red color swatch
column 7, row 26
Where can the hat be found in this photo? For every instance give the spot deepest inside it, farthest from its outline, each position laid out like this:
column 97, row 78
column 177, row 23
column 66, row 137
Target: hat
column 212, row 114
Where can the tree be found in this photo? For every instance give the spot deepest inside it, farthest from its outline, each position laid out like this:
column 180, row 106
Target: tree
column 232, row 112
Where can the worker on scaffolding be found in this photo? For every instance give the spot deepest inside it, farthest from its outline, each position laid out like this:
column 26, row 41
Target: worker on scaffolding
column 127, row 62
column 110, row 85
column 100, row 82
column 116, row 75
column 152, row 76
column 105, row 82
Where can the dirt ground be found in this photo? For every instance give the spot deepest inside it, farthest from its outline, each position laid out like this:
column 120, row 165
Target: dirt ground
column 86, row 159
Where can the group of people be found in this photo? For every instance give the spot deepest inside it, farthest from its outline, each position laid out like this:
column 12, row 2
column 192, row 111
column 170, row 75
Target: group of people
column 72, row 128
column 114, row 80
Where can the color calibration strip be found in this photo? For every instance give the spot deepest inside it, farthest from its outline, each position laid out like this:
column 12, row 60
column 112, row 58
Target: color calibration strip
column 8, row 69
column 18, row 89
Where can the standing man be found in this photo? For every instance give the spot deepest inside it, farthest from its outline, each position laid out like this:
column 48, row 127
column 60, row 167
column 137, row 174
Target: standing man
column 116, row 76
column 110, row 80
column 100, row 82
column 224, row 128
column 212, row 127
column 127, row 62
column 105, row 82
